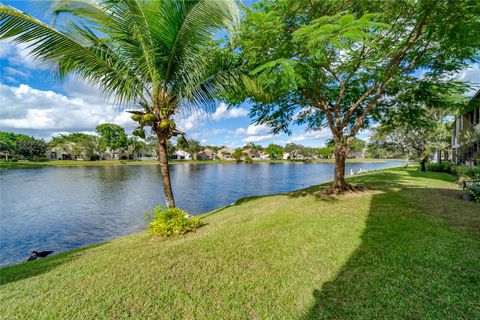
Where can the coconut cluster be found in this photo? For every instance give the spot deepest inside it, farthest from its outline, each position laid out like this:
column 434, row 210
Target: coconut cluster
column 146, row 119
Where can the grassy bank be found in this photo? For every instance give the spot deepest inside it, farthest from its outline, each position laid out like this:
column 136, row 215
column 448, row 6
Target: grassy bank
column 75, row 163
column 407, row 249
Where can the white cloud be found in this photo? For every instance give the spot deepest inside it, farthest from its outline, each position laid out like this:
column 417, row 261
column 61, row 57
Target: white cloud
column 16, row 72
column 255, row 129
column 311, row 135
column 199, row 117
column 471, row 74
column 191, row 121
column 223, row 112
column 240, row 131
column 80, row 89
column 26, row 108
column 17, row 55
column 258, row 138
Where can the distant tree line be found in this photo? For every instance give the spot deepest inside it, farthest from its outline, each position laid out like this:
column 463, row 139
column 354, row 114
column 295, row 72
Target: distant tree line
column 111, row 139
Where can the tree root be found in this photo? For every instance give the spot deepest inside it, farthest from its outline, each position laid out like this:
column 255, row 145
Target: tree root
column 347, row 188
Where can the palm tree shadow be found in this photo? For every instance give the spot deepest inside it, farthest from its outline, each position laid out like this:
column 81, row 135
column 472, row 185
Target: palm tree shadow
column 410, row 265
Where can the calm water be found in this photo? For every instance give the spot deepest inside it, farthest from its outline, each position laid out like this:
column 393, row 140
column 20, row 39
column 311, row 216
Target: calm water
column 64, row 208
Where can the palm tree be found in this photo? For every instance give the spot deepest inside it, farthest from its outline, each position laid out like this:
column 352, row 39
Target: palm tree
column 150, row 56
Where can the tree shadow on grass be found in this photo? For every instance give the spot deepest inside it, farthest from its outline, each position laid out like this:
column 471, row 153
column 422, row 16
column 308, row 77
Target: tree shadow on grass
column 29, row 269
column 419, row 259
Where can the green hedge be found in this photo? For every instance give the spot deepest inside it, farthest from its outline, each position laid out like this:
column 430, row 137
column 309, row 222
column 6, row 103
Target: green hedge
column 461, row 171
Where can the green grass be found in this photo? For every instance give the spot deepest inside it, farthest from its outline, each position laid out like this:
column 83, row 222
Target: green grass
column 407, row 249
column 76, row 163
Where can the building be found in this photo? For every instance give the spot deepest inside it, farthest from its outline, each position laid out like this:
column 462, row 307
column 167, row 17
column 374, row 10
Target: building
column 181, row 155
column 466, row 135
column 144, row 154
column 225, row 154
column 66, row 152
column 264, row 155
column 207, row 154
column 356, row 154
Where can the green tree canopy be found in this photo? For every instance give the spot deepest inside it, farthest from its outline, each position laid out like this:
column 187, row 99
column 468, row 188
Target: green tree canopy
column 328, row 63
column 415, row 115
column 112, row 136
column 275, row 151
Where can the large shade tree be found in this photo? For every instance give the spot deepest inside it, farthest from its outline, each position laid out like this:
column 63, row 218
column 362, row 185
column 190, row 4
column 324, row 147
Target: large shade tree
column 417, row 114
column 150, row 56
column 328, row 63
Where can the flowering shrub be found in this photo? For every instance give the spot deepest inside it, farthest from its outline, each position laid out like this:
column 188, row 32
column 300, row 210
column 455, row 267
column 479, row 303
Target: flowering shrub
column 170, row 222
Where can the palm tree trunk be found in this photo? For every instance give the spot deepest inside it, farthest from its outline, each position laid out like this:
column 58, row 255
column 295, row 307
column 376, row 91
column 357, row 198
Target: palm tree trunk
column 167, row 185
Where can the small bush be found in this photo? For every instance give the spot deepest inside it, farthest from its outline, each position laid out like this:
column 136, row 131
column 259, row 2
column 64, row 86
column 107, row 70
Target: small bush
column 40, row 158
column 474, row 193
column 467, row 172
column 94, row 157
column 171, row 222
column 447, row 167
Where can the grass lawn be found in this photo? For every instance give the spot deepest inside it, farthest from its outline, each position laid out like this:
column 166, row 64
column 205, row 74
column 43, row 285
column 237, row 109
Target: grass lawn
column 407, row 249
column 76, row 163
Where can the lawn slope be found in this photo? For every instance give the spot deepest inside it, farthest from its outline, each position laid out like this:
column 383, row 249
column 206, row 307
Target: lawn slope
column 407, row 248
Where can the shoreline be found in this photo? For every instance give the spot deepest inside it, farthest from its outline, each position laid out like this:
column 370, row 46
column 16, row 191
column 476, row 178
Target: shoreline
column 369, row 248
column 237, row 202
column 83, row 163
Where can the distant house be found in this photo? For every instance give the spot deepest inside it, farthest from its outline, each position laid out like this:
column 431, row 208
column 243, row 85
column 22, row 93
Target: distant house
column 57, row 153
column 207, row 154
column 293, row 155
column 65, row 152
column 225, row 154
column 254, row 154
column 144, row 154
column 356, row 154
column 181, row 155
column 465, row 136
column 263, row 155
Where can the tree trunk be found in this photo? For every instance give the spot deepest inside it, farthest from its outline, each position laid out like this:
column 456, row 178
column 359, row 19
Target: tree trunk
column 339, row 183
column 422, row 165
column 167, row 185
column 439, row 156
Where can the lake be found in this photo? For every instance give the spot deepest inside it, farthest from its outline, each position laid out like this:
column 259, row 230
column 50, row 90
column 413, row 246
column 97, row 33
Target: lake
column 62, row 208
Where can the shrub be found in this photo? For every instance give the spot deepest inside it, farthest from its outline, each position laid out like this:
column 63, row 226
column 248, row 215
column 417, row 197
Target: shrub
column 39, row 158
column 474, row 193
column 171, row 222
column 466, row 172
column 447, row 167
column 94, row 157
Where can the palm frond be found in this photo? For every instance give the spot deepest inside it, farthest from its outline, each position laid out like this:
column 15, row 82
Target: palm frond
column 76, row 49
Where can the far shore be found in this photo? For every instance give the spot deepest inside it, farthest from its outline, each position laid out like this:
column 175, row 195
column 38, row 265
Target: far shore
column 86, row 163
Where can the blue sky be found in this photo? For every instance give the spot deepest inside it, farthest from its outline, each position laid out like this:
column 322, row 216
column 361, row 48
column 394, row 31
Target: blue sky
column 33, row 102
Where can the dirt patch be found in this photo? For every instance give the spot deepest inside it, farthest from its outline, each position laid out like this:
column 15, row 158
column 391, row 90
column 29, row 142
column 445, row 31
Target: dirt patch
column 357, row 192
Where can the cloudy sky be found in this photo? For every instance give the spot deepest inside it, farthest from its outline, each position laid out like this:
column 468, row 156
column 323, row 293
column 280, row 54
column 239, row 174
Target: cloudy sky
column 33, row 102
